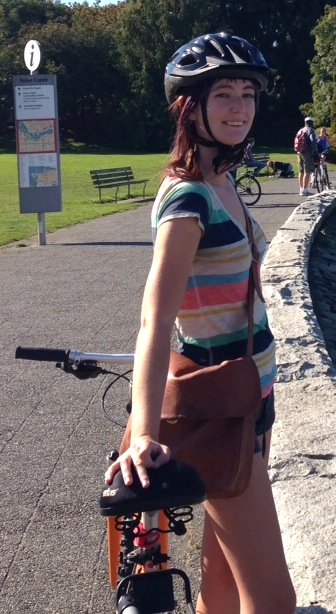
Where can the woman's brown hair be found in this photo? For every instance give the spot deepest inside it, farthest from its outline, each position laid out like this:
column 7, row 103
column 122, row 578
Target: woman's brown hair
column 183, row 159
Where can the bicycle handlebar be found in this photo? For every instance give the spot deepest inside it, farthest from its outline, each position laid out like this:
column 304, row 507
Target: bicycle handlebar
column 42, row 354
column 71, row 357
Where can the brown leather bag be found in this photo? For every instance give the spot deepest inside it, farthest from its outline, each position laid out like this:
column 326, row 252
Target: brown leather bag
column 208, row 420
column 208, row 413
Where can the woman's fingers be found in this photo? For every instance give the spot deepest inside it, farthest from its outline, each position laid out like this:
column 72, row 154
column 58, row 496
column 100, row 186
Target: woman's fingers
column 142, row 454
column 111, row 472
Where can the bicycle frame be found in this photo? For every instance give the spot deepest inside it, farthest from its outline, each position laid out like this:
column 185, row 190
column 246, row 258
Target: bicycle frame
column 321, row 177
column 137, row 531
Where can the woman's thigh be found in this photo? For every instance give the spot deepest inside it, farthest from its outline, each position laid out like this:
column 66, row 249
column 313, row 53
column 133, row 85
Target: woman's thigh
column 248, row 532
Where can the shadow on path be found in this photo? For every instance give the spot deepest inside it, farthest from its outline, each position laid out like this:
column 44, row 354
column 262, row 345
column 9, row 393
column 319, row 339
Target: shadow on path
column 313, row 609
column 106, row 243
column 272, row 206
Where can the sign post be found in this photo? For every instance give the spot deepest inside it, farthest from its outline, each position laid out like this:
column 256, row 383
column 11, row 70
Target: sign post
column 37, row 140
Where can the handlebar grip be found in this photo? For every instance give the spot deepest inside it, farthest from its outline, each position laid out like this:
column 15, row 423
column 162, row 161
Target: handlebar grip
column 42, row 354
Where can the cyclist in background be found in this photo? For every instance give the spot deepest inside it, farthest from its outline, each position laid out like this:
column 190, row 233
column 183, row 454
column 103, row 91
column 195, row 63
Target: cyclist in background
column 323, row 141
column 322, row 145
column 306, row 159
column 199, row 279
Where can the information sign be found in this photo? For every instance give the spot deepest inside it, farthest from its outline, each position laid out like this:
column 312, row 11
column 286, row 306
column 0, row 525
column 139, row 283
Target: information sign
column 32, row 55
column 36, row 121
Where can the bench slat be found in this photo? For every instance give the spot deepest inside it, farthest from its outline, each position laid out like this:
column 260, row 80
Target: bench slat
column 261, row 157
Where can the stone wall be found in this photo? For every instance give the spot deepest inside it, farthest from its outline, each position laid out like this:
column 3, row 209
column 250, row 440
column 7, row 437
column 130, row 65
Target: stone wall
column 303, row 456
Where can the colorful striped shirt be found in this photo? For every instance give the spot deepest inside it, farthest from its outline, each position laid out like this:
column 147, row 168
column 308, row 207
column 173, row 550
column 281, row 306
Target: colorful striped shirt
column 212, row 323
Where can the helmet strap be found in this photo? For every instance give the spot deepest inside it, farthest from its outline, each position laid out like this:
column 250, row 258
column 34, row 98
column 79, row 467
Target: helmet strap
column 227, row 154
column 205, row 117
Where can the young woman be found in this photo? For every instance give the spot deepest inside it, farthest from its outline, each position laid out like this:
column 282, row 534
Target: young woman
column 323, row 141
column 198, row 280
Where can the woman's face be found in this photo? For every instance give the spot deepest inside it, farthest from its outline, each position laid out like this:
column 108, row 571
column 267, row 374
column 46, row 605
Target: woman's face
column 230, row 109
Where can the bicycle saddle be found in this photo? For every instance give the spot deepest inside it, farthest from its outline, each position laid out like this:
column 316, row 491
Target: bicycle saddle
column 171, row 485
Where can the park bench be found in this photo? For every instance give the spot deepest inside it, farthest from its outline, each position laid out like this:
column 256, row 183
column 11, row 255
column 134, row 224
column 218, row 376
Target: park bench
column 114, row 178
column 261, row 158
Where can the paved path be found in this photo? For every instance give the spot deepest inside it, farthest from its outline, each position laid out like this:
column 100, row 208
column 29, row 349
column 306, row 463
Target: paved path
column 83, row 290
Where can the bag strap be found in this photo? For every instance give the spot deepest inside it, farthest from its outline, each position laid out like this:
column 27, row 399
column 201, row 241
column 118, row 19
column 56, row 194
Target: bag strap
column 253, row 283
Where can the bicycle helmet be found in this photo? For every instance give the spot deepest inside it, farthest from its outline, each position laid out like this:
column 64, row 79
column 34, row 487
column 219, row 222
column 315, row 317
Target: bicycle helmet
column 309, row 121
column 213, row 56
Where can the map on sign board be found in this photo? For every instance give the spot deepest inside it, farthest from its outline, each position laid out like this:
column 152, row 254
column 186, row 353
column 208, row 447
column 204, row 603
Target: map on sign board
column 36, row 136
column 38, row 170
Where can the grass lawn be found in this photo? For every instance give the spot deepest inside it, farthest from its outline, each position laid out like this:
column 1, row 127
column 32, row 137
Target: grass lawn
column 80, row 199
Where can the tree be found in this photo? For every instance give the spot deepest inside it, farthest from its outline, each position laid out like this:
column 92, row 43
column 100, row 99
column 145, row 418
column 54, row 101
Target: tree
column 78, row 45
column 151, row 32
column 19, row 19
column 83, row 54
column 323, row 65
column 110, row 61
column 282, row 30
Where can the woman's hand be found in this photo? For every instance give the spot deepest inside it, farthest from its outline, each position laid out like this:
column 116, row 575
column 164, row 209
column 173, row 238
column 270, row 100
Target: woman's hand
column 142, row 453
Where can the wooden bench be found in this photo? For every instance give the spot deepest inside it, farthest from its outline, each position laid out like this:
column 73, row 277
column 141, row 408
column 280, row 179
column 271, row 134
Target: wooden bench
column 260, row 158
column 116, row 178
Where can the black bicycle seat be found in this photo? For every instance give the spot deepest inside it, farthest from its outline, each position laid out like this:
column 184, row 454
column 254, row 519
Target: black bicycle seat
column 173, row 484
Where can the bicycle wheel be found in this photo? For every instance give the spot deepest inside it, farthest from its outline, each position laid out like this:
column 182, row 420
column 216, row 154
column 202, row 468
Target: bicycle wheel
column 249, row 189
column 317, row 177
column 325, row 179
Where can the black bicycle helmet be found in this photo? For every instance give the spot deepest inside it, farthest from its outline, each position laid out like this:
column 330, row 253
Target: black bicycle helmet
column 213, row 56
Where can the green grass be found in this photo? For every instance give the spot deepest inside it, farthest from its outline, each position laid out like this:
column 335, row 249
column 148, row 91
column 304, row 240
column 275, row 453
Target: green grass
column 281, row 154
column 80, row 199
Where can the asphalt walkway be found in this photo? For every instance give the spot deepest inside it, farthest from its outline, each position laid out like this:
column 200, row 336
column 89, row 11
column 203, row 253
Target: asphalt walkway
column 82, row 290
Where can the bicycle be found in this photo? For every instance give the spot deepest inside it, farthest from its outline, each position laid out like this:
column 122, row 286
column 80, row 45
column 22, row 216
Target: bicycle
column 321, row 177
column 248, row 187
column 138, row 520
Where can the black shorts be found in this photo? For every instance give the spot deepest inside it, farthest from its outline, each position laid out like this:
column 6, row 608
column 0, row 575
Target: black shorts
column 265, row 418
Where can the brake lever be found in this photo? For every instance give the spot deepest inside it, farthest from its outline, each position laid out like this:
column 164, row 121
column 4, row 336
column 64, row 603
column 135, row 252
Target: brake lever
column 85, row 370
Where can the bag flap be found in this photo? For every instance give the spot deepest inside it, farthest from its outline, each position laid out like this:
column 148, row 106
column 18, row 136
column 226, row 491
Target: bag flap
column 229, row 390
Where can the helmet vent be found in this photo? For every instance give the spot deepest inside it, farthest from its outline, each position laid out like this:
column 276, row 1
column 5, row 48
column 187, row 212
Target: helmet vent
column 187, row 60
column 217, row 47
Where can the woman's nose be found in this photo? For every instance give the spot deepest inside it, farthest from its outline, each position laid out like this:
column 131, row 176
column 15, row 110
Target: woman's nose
column 237, row 103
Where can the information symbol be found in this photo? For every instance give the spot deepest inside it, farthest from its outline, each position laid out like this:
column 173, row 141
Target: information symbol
column 32, row 55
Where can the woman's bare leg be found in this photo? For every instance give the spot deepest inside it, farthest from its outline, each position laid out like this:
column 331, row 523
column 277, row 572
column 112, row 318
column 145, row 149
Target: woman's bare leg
column 253, row 570
column 218, row 583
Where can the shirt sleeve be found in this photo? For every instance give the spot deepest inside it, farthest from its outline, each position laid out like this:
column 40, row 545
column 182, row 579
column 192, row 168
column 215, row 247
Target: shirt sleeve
column 186, row 200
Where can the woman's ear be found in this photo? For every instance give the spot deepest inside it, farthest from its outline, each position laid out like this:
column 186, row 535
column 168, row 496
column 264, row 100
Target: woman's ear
column 193, row 114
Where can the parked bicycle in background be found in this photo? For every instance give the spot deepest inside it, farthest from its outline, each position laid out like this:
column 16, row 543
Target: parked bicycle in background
column 248, row 187
column 321, row 177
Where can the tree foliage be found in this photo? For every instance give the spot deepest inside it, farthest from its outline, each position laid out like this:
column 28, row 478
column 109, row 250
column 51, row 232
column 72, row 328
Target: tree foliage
column 323, row 66
column 110, row 60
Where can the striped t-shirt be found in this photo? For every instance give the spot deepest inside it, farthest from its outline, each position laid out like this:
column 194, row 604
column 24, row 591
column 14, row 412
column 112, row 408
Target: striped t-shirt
column 212, row 323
